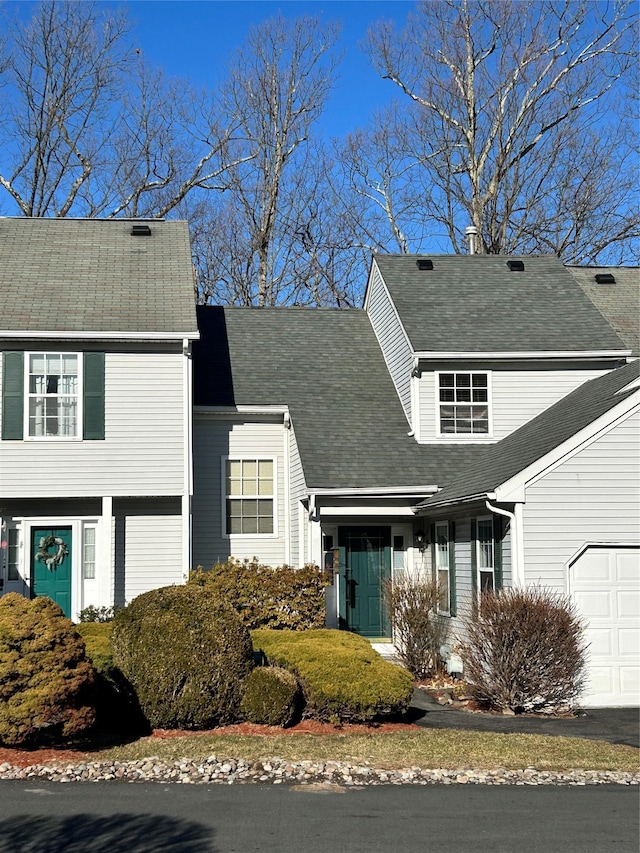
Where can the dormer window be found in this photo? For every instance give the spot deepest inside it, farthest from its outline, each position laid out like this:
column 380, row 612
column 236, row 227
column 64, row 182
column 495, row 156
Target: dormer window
column 463, row 403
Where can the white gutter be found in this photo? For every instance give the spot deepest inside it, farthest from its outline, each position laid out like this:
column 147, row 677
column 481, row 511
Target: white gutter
column 515, row 531
column 242, row 410
column 593, row 354
column 374, row 492
column 102, row 336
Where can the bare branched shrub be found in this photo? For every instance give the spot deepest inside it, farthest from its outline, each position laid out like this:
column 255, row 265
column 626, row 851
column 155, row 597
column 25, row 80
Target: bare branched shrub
column 524, row 650
column 418, row 629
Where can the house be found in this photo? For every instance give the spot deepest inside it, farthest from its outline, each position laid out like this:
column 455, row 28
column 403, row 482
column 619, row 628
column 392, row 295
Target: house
column 97, row 320
column 477, row 419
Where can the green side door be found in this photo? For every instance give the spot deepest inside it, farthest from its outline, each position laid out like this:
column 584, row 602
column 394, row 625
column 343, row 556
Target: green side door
column 367, row 556
column 51, row 565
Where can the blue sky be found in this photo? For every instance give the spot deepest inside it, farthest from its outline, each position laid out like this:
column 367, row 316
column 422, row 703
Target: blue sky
column 193, row 38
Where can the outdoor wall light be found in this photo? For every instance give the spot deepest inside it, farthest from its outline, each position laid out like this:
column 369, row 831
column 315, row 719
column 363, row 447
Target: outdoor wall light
column 419, row 538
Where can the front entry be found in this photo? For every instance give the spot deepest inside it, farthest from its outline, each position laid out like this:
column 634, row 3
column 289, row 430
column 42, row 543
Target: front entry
column 51, row 565
column 365, row 565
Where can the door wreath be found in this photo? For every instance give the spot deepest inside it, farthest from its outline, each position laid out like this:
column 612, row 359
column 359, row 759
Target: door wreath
column 52, row 561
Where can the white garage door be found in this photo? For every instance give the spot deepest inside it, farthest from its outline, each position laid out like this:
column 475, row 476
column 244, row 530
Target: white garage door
column 605, row 585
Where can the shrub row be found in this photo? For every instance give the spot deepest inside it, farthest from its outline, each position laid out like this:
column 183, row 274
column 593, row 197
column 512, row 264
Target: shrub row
column 342, row 677
column 265, row 597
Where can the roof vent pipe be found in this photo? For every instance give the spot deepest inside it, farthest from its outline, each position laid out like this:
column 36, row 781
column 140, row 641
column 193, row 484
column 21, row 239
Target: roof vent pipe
column 471, row 234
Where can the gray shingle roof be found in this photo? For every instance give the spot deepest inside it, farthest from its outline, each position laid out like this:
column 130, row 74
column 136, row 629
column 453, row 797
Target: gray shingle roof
column 618, row 302
column 474, row 303
column 499, row 462
column 327, row 367
column 91, row 275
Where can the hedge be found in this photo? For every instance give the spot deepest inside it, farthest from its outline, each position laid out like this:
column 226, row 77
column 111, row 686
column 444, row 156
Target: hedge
column 342, row 677
column 265, row 597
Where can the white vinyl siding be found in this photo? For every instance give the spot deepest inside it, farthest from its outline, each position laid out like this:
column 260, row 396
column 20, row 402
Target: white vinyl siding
column 591, row 497
column 153, row 553
column 298, row 513
column 397, row 352
column 516, row 396
column 144, row 446
column 215, row 439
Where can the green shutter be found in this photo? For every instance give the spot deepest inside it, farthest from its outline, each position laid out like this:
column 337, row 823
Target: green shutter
column 452, row 568
column 497, row 548
column 93, row 396
column 12, row 396
column 474, row 564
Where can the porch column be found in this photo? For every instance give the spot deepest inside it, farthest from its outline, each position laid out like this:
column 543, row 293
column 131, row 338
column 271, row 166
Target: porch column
column 106, row 561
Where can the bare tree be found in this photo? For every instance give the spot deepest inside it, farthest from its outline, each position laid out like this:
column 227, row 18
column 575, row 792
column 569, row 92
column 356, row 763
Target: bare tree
column 64, row 67
column 89, row 130
column 507, row 110
column 276, row 88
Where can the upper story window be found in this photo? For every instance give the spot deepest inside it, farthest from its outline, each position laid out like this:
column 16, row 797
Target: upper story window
column 250, row 496
column 53, row 395
column 463, row 403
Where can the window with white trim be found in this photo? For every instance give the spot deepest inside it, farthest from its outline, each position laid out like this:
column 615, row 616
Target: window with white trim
column 13, row 554
column 89, row 552
column 463, row 403
column 442, row 565
column 53, row 395
column 485, row 555
column 250, row 496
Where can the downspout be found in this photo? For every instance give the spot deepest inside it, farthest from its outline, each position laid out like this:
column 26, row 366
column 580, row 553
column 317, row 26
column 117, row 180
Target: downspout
column 287, row 488
column 414, row 432
column 515, row 531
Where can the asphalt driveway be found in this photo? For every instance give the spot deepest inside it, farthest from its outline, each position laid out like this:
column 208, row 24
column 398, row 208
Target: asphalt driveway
column 615, row 725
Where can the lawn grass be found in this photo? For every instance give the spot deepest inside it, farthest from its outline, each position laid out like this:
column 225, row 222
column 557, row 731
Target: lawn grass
column 441, row 748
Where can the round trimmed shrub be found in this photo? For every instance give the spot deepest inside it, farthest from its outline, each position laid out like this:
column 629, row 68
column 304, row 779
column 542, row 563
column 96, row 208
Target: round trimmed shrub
column 271, row 696
column 46, row 680
column 187, row 655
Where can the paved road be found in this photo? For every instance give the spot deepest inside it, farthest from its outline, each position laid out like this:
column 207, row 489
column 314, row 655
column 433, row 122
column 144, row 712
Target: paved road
column 117, row 817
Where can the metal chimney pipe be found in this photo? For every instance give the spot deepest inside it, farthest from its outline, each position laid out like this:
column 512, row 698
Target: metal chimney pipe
column 471, row 233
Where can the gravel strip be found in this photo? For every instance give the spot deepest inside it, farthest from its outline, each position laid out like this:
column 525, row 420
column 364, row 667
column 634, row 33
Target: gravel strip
column 277, row 771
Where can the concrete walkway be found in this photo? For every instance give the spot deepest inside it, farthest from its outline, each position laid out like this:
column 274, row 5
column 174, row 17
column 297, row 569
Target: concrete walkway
column 615, row 725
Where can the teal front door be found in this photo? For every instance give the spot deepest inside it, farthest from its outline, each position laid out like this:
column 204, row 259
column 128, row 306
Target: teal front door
column 51, row 565
column 367, row 564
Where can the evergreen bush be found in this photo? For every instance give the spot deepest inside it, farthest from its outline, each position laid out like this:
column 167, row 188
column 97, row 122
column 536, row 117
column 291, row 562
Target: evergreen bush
column 271, row 696
column 524, row 650
column 342, row 678
column 187, row 655
column 266, row 597
column 117, row 708
column 45, row 678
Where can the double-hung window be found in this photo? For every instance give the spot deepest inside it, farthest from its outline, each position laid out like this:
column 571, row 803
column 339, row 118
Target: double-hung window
column 485, row 555
column 53, row 395
column 463, row 403
column 250, row 496
column 442, row 565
